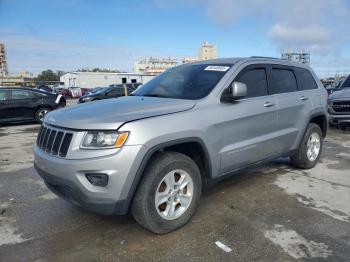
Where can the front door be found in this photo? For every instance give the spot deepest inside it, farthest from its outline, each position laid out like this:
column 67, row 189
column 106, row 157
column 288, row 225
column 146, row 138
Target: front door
column 23, row 104
column 248, row 125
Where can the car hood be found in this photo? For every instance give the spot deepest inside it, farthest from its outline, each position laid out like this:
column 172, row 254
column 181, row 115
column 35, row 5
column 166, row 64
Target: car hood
column 112, row 113
column 340, row 94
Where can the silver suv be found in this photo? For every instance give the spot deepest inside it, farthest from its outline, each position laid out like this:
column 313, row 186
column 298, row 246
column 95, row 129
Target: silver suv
column 154, row 151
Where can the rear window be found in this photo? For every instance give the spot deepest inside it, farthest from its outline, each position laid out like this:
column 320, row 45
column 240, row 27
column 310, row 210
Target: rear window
column 305, row 79
column 283, row 81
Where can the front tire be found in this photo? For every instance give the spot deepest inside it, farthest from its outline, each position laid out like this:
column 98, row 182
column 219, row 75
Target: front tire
column 310, row 148
column 168, row 193
column 41, row 113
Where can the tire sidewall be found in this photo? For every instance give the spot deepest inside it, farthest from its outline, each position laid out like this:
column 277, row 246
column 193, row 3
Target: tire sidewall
column 313, row 128
column 38, row 112
column 157, row 220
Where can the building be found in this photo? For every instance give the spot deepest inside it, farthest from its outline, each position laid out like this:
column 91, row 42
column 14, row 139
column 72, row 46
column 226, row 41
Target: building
column 154, row 66
column 301, row 56
column 189, row 59
column 207, row 51
column 3, row 61
column 101, row 79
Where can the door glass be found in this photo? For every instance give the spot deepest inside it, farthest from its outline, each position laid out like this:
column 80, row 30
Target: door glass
column 256, row 82
column 305, row 79
column 283, row 81
column 21, row 94
column 3, row 95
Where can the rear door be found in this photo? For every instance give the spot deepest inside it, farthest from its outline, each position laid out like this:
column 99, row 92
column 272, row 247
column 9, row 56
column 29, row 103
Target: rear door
column 248, row 125
column 5, row 113
column 23, row 103
column 294, row 106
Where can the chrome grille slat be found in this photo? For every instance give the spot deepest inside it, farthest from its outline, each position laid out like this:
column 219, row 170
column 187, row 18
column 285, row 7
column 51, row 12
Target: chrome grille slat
column 54, row 141
column 50, row 141
column 42, row 137
column 341, row 106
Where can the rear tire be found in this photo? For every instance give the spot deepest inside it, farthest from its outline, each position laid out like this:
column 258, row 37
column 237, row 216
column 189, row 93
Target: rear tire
column 162, row 203
column 41, row 113
column 310, row 148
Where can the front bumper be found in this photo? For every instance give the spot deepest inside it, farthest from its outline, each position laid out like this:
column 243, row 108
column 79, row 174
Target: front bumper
column 67, row 178
column 339, row 119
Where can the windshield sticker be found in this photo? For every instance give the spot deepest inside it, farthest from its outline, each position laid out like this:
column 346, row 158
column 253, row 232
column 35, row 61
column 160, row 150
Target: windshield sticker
column 217, row 68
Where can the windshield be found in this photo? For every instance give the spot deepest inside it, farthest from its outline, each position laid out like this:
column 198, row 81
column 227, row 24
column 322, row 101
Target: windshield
column 101, row 90
column 184, row 82
column 346, row 83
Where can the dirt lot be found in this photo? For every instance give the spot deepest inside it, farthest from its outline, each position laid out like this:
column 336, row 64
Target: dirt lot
column 274, row 213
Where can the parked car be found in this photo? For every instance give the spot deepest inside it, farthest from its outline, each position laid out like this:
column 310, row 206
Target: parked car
column 188, row 128
column 339, row 105
column 27, row 104
column 45, row 88
column 94, row 90
column 112, row 91
column 66, row 93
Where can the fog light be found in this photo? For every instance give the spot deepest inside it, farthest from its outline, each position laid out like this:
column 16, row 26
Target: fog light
column 97, row 179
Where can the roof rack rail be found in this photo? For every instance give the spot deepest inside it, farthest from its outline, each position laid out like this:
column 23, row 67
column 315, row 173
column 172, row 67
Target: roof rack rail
column 268, row 57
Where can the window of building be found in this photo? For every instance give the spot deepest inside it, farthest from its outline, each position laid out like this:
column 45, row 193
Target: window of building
column 283, row 81
column 256, row 82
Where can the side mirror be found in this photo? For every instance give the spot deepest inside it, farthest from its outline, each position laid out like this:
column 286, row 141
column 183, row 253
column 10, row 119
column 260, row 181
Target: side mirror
column 236, row 91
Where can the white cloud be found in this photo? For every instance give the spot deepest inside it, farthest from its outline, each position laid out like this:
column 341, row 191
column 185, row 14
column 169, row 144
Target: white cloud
column 315, row 37
column 308, row 24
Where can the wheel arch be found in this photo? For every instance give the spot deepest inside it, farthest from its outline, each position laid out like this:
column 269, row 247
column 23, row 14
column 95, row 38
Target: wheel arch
column 179, row 145
column 321, row 120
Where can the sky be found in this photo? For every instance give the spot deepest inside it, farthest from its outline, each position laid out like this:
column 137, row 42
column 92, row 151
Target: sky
column 71, row 34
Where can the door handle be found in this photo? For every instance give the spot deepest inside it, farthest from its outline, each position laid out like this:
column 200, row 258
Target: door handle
column 268, row 104
column 303, row 98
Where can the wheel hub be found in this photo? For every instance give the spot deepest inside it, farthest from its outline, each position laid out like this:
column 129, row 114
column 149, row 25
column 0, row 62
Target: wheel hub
column 174, row 194
column 313, row 146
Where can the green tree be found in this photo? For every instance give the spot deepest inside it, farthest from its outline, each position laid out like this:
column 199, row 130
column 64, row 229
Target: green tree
column 48, row 76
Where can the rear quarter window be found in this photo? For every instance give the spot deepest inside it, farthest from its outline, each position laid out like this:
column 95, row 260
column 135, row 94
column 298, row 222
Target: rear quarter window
column 305, row 79
column 282, row 81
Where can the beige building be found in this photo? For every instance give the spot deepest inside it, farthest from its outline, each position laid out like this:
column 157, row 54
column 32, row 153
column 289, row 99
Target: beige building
column 207, row 51
column 189, row 59
column 3, row 61
column 154, row 66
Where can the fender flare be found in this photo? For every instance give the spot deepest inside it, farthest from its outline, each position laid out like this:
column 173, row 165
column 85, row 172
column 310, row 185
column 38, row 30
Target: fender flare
column 148, row 156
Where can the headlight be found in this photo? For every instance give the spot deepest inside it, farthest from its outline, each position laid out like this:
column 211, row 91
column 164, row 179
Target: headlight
column 104, row 139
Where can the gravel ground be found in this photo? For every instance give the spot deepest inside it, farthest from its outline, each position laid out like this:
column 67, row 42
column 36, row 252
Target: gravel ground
column 273, row 213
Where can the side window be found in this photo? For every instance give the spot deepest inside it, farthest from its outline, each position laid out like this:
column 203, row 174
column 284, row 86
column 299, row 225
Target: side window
column 305, row 79
column 3, row 95
column 283, row 81
column 256, row 82
column 117, row 91
column 22, row 94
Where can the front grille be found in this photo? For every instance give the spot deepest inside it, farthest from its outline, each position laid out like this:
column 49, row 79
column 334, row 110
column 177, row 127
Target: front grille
column 54, row 141
column 341, row 106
